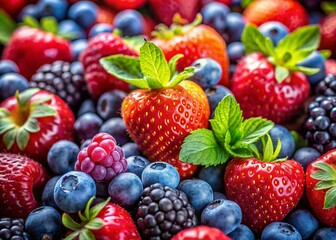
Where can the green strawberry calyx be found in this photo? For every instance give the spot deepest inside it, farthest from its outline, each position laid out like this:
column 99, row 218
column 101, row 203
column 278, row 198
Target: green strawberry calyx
column 89, row 219
column 268, row 153
column 16, row 126
column 288, row 53
column 326, row 174
column 231, row 136
column 150, row 71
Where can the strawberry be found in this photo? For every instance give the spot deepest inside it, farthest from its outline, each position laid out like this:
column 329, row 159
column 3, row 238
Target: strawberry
column 98, row 80
column 105, row 15
column 321, row 187
column 201, row 233
column 13, row 7
column 289, row 12
column 268, row 81
column 328, row 33
column 160, row 115
column 125, row 4
column 187, row 9
column 331, row 66
column 31, row 122
column 21, row 178
column 104, row 221
column 22, row 49
column 194, row 41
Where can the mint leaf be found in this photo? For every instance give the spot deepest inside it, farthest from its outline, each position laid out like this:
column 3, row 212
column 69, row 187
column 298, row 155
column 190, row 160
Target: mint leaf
column 254, row 41
column 187, row 73
column 154, row 65
column 238, row 150
column 201, row 148
column 254, row 128
column 330, row 198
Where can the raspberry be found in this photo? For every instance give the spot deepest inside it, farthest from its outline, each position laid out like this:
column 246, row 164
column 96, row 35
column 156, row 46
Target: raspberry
column 11, row 228
column 102, row 159
column 163, row 211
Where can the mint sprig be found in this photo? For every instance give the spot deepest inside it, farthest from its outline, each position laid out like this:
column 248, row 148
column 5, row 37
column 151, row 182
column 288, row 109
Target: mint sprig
column 288, row 53
column 231, row 136
column 150, row 71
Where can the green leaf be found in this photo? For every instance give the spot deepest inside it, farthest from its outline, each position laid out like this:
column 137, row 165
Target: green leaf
column 43, row 110
column 9, row 138
column 326, row 53
column 22, row 138
column 126, row 68
column 322, row 176
column 49, row 24
column 4, row 112
column 86, row 234
column 305, row 70
column 281, row 73
column 94, row 211
column 68, row 222
column 297, row 56
column 327, row 170
column 328, row 7
column 330, row 198
column 31, row 125
column 5, row 125
column 254, row 128
column 87, row 208
column 7, row 27
column 41, row 100
column 24, row 97
column 31, row 22
column 95, row 224
column 238, row 150
column 72, row 236
column 154, row 65
column 187, row 73
column 245, row 3
column 325, row 185
column 201, row 148
column 173, row 62
column 82, row 217
column 254, row 41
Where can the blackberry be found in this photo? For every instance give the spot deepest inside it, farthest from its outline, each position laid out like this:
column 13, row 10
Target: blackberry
column 320, row 125
column 163, row 211
column 63, row 79
column 13, row 229
column 327, row 87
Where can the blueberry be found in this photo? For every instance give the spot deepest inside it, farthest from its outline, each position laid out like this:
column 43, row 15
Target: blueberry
column 280, row 231
column 44, row 223
column 214, row 176
column 199, row 193
column 71, row 28
column 306, row 155
column 160, row 172
column 125, row 189
column 131, row 149
column 48, row 192
column 10, row 83
column 84, row 13
column 214, row 14
column 325, row 234
column 87, row 125
column 109, row 104
column 287, row 141
column 116, row 127
column 136, row 164
column 208, row 72
column 129, row 22
column 235, row 26
column 315, row 60
column 62, row 156
column 87, row 106
column 236, row 51
column 215, row 94
column 242, row 232
column 77, row 47
column 223, row 214
column 8, row 66
column 218, row 195
column 274, row 30
column 76, row 67
column 304, row 222
column 100, row 28
column 52, row 8
column 73, row 190
column 30, row 10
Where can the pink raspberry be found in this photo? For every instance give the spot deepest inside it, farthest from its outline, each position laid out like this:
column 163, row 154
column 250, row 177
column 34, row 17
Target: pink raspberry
column 102, row 159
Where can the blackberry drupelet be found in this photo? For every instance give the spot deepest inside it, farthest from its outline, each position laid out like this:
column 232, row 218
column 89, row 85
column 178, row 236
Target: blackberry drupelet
column 320, row 125
column 63, row 79
column 163, row 211
column 327, row 87
column 12, row 229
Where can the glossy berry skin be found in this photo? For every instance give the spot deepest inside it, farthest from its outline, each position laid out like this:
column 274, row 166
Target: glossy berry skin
column 201, row 233
column 71, row 27
column 218, row 195
column 22, row 174
column 87, row 125
column 109, row 104
column 235, row 26
column 10, row 83
column 194, row 44
column 242, row 232
column 274, row 30
column 62, row 157
column 306, row 155
column 73, row 190
column 328, row 33
column 315, row 60
column 48, row 192
column 84, row 13
column 44, row 222
column 100, row 28
column 280, row 231
column 160, row 172
column 253, row 83
column 129, row 22
column 13, row 228
column 223, row 214
column 7, row 66
column 213, row 175
column 327, row 87
column 288, row 12
column 304, row 222
column 116, row 128
column 286, row 139
column 136, row 164
column 125, row 189
column 98, row 80
column 236, row 51
column 325, row 234
column 52, row 8
column 331, row 66
column 29, row 10
column 77, row 47
column 173, row 111
column 199, row 193
column 87, row 106
column 214, row 15
column 208, row 72
column 258, row 185
column 131, row 149
column 215, row 94
column 22, row 49
column 125, row 4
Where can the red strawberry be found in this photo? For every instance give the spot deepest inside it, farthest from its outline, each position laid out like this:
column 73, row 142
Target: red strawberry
column 110, row 221
column 160, row 115
column 98, row 80
column 331, row 66
column 13, row 7
column 31, row 122
column 125, row 4
column 320, row 187
column 22, row 49
column 21, row 178
column 289, row 12
column 194, row 41
column 201, row 233
column 187, row 9
column 328, row 33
